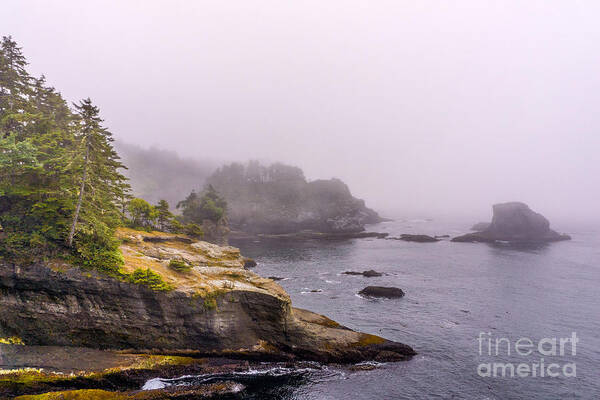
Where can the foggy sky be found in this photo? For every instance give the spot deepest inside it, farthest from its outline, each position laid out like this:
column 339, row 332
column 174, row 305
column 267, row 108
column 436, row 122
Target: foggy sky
column 422, row 107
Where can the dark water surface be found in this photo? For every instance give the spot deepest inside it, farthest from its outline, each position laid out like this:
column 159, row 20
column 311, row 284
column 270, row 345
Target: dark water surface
column 454, row 291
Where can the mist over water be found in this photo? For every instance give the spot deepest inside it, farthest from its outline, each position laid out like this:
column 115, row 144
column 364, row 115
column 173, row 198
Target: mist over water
column 421, row 107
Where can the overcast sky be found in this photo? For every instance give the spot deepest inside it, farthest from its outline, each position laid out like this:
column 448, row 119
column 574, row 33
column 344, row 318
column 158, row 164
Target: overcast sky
column 420, row 106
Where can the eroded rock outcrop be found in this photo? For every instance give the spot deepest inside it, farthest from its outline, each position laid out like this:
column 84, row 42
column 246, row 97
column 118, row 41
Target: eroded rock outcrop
column 215, row 308
column 515, row 222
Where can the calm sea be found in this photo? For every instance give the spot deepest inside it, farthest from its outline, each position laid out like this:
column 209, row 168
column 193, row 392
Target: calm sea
column 455, row 294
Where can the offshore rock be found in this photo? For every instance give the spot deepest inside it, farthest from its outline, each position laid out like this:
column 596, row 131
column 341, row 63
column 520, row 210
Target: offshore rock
column 381, row 291
column 515, row 222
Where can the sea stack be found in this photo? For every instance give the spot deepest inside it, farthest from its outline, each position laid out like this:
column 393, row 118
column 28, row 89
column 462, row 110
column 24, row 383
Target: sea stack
column 515, row 222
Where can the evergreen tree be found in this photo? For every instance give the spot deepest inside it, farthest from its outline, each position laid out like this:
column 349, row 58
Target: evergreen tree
column 210, row 205
column 14, row 86
column 164, row 215
column 102, row 184
column 60, row 179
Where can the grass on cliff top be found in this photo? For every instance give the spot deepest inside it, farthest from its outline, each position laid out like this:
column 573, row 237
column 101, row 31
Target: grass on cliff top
column 171, row 260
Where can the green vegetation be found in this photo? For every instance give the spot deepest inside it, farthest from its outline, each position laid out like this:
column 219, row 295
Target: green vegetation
column 61, row 189
column 39, row 380
column 179, row 265
column 149, row 278
column 193, row 230
column 208, row 205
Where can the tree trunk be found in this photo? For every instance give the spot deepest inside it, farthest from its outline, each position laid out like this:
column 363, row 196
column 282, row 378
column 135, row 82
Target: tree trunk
column 81, row 191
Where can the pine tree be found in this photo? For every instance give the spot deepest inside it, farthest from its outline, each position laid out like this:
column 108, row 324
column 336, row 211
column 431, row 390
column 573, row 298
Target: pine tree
column 60, row 178
column 102, row 184
column 14, row 86
column 164, row 216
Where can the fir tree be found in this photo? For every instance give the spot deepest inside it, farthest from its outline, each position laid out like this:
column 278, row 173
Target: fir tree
column 164, row 215
column 102, row 184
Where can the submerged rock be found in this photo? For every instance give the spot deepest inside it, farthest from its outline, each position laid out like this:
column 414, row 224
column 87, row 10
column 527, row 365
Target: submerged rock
column 416, row 238
column 369, row 274
column 381, row 291
column 515, row 222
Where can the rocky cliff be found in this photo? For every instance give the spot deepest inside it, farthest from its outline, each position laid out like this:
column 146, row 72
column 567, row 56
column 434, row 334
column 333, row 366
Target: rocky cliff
column 216, row 307
column 514, row 222
column 278, row 199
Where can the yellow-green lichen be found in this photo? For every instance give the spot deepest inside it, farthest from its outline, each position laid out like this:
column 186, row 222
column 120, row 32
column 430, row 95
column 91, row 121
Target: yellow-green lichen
column 367, row 339
column 12, row 340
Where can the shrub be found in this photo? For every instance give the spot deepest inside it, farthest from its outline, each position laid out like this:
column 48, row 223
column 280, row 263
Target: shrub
column 100, row 253
column 193, row 230
column 15, row 246
column 179, row 265
column 149, row 278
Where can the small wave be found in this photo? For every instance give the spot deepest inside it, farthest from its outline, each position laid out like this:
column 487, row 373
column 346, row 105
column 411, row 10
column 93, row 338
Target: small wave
column 162, row 383
column 311, row 291
column 153, row 384
column 369, row 364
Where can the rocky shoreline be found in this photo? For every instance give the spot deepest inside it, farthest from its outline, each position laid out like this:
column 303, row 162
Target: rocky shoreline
column 217, row 309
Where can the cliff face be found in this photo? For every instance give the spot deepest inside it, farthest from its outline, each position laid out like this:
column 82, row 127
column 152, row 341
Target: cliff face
column 215, row 308
column 278, row 200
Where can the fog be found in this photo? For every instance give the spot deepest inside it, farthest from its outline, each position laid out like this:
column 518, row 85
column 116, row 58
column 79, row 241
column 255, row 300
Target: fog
column 422, row 107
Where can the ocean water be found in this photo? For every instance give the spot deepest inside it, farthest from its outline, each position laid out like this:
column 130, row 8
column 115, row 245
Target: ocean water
column 455, row 293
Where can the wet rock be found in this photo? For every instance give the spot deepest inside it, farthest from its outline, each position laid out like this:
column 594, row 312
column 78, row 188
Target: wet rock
column 369, row 274
column 249, row 263
column 366, row 366
column 276, row 278
column 416, row 238
column 372, row 273
column 382, row 291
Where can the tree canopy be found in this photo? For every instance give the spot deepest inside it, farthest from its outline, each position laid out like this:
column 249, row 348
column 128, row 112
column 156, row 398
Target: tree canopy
column 209, row 205
column 61, row 182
